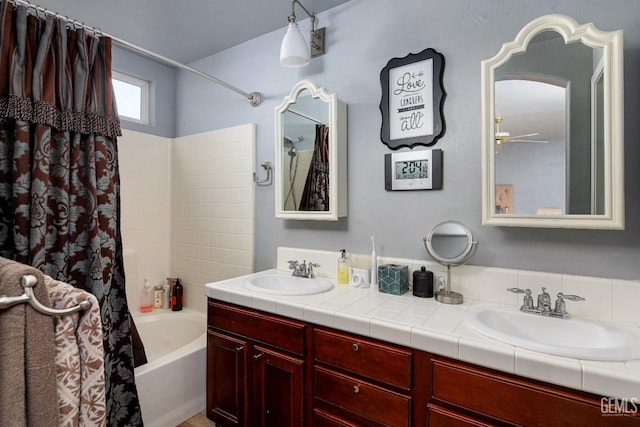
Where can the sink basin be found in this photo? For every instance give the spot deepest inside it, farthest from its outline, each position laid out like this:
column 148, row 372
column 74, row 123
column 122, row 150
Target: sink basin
column 283, row 284
column 578, row 338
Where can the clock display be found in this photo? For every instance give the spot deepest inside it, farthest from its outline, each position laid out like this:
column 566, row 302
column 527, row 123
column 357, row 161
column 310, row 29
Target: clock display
column 412, row 169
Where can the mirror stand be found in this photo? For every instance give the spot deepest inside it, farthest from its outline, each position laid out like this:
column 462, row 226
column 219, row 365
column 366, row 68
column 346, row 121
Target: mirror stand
column 447, row 296
column 451, row 244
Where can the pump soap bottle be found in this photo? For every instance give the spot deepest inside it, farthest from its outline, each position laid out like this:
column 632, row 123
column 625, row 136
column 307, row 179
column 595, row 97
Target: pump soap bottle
column 343, row 267
column 146, row 297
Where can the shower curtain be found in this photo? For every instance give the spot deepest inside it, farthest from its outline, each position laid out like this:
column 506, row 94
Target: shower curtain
column 59, row 181
column 315, row 196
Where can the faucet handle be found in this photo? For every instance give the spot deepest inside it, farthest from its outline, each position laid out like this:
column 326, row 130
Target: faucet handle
column 527, row 302
column 570, row 297
column 561, row 308
column 292, row 264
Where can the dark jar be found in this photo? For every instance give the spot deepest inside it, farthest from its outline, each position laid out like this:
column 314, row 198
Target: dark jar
column 423, row 283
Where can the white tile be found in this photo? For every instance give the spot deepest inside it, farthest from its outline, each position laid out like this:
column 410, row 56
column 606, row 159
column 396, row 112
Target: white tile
column 290, row 308
column 556, row 370
column 319, row 315
column 434, row 342
column 597, row 292
column 465, row 280
column 392, row 332
column 493, row 284
column 626, row 300
column 351, row 322
column 610, row 379
column 488, row 353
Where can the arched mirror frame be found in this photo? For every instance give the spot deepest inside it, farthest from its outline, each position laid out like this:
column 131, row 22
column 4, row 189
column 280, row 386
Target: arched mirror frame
column 337, row 154
column 611, row 43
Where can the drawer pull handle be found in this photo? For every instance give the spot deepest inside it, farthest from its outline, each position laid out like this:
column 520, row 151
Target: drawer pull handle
column 356, row 389
column 355, row 347
column 257, row 356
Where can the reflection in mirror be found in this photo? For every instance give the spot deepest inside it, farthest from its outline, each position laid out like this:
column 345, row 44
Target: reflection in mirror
column 547, row 156
column 310, row 169
column 450, row 243
column 305, row 155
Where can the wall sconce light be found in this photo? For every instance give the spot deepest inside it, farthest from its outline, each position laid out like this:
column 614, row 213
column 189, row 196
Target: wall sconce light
column 294, row 51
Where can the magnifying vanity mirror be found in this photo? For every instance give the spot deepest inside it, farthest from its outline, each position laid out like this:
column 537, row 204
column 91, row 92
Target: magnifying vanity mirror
column 311, row 155
column 451, row 244
column 552, row 128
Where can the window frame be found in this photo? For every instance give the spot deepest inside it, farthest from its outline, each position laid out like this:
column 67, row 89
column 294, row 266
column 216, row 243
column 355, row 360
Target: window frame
column 144, row 86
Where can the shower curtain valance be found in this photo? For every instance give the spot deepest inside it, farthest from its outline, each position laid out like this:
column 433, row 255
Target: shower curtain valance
column 60, row 81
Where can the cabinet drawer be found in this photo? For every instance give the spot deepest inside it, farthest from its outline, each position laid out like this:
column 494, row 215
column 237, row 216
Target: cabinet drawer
column 517, row 400
column 364, row 399
column 441, row 417
column 323, row 419
column 385, row 363
column 276, row 331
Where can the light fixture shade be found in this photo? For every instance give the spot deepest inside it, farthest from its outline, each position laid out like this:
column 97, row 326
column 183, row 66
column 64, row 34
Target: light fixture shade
column 294, row 51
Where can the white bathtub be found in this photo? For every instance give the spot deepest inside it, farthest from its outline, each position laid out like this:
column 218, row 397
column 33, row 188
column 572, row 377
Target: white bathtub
column 172, row 386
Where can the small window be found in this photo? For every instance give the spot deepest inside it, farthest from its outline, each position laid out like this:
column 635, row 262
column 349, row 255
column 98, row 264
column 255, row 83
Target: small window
column 132, row 97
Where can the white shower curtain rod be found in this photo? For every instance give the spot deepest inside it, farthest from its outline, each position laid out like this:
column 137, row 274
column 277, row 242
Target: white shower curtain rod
column 254, row 98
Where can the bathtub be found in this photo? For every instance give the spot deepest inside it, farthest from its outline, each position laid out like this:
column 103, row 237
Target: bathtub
column 172, row 386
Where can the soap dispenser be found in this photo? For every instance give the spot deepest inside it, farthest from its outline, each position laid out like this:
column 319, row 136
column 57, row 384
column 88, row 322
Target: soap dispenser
column 343, row 267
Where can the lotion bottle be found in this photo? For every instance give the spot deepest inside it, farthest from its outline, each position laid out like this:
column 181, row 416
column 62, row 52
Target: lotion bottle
column 343, row 267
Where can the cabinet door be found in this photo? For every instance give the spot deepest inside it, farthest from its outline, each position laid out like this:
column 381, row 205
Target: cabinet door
column 227, row 379
column 278, row 388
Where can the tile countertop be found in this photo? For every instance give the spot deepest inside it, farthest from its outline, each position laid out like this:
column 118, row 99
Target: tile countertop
column 424, row 324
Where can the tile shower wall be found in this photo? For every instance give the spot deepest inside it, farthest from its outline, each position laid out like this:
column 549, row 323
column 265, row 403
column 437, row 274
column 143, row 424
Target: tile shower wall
column 212, row 208
column 146, row 206
column 187, row 208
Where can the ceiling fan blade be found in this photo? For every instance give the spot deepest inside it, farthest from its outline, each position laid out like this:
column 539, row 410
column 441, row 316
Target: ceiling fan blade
column 528, row 140
column 526, row 135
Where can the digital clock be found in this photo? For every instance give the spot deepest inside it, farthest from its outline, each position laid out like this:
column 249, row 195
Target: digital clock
column 414, row 170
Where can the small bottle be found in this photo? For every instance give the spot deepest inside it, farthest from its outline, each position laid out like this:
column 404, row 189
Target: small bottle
column 177, row 297
column 343, row 267
column 158, row 294
column 146, row 298
column 166, row 296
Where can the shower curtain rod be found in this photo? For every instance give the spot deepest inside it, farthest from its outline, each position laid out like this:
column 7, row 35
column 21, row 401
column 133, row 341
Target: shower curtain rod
column 254, row 98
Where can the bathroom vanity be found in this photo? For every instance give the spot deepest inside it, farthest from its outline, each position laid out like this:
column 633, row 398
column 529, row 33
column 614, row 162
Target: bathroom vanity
column 286, row 361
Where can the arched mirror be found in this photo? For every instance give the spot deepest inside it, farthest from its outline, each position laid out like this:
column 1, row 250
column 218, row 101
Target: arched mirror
column 451, row 244
column 311, row 155
column 552, row 128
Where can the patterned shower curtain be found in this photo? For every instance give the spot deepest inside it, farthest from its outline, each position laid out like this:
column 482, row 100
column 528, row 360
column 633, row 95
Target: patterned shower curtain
column 315, row 196
column 59, row 181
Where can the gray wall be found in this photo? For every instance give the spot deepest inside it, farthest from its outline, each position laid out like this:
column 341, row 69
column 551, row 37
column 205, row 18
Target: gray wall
column 162, row 91
column 363, row 35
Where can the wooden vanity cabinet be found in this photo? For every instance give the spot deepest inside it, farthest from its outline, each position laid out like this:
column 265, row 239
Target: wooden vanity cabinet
column 255, row 368
column 468, row 395
column 267, row 370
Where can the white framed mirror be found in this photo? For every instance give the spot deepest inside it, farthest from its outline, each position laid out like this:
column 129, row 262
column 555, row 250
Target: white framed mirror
column 311, row 155
column 552, row 128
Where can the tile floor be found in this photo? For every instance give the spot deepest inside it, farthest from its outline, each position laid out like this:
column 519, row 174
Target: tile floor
column 198, row 420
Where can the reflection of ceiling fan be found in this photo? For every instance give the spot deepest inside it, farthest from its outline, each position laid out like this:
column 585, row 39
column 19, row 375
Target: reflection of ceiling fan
column 506, row 137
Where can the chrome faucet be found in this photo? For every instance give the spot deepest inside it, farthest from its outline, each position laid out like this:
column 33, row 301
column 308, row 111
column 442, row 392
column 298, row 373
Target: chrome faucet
column 544, row 303
column 302, row 270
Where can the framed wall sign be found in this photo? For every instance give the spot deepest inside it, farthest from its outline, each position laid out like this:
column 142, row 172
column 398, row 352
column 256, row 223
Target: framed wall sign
column 413, row 100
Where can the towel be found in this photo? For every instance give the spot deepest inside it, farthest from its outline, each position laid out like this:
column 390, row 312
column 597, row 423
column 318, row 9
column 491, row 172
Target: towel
column 79, row 357
column 27, row 355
